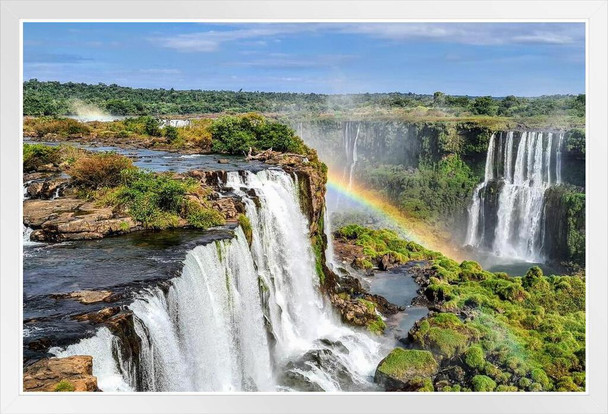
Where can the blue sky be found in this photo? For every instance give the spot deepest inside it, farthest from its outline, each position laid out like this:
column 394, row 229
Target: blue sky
column 524, row 59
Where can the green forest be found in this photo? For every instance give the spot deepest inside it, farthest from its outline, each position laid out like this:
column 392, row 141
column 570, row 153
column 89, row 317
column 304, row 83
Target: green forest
column 60, row 99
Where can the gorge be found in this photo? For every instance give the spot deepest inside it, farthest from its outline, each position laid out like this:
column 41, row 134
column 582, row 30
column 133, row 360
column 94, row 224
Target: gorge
column 261, row 301
column 514, row 185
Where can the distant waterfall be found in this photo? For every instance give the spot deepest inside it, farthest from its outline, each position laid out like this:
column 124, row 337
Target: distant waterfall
column 506, row 210
column 350, row 136
column 239, row 315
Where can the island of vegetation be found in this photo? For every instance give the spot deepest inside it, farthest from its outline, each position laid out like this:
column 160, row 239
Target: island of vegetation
column 485, row 331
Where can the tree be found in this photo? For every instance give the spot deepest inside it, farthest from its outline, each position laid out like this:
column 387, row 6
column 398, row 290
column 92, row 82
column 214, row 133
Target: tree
column 151, row 126
column 438, row 99
column 484, row 105
column 171, row 133
column 507, row 105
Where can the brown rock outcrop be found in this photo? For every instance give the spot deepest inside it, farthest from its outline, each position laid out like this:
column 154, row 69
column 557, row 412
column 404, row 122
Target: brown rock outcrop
column 87, row 296
column 353, row 311
column 73, row 373
column 46, row 189
column 65, row 219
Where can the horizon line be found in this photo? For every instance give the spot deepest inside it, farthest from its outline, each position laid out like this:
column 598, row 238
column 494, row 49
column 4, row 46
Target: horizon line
column 303, row 93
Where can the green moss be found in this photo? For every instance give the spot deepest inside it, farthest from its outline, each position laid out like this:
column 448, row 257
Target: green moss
column 377, row 326
column 318, row 251
column 64, row 386
column 539, row 376
column 246, row 227
column 401, row 363
column 482, row 383
column 506, row 388
column 474, row 357
column 378, row 243
column 371, row 306
column 511, row 328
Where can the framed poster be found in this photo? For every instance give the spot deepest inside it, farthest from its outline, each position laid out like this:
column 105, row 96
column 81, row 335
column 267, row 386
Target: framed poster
column 304, row 207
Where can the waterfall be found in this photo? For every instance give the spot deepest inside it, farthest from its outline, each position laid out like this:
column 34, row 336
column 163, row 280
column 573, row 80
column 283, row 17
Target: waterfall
column 350, row 147
column 558, row 165
column 239, row 316
column 475, row 209
column 521, row 169
column 327, row 229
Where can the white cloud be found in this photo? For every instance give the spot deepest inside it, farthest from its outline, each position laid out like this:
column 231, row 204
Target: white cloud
column 463, row 33
column 210, row 41
column 473, row 33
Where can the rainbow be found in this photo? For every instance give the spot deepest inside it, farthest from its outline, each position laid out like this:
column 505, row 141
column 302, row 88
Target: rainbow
column 415, row 229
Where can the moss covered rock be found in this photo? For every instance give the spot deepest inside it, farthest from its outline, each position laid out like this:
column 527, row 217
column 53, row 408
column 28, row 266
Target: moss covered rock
column 406, row 370
column 483, row 383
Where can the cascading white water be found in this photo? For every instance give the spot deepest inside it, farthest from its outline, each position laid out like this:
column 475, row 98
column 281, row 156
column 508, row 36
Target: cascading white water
column 327, row 229
column 350, row 147
column 476, row 209
column 238, row 314
column 521, row 187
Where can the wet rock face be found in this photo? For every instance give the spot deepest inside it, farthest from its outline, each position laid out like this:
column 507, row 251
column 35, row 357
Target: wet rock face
column 229, row 207
column 325, row 359
column 213, row 179
column 353, row 311
column 73, row 373
column 47, row 189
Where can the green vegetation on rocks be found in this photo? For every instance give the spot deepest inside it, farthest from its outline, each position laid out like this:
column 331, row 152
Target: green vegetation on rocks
column 246, row 227
column 490, row 331
column 64, row 386
column 37, row 155
column 483, row 383
column 407, row 370
column 382, row 244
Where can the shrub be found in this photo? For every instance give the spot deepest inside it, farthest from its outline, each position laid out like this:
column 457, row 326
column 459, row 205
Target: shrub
column 170, row 133
column 203, row 217
column 533, row 275
column 100, row 170
column 37, row 155
column 64, row 386
column 237, row 134
column 159, row 201
column 62, row 127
